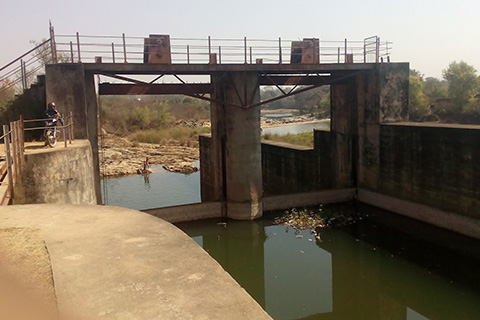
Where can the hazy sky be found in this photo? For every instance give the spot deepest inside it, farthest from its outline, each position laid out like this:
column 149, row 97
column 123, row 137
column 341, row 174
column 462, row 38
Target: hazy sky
column 428, row 34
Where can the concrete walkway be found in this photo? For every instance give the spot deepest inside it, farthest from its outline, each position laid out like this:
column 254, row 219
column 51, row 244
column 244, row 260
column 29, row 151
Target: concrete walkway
column 117, row 263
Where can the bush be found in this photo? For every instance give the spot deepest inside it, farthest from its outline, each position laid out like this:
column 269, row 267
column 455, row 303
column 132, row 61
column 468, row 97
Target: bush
column 303, row 139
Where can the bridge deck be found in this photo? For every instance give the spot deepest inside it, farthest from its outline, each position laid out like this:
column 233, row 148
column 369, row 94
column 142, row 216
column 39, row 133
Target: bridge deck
column 207, row 69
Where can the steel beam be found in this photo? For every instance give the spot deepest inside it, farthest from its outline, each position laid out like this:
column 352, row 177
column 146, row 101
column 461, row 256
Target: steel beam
column 153, row 89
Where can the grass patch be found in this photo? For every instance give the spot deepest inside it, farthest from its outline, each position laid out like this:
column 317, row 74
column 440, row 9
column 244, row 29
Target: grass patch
column 184, row 135
column 303, row 139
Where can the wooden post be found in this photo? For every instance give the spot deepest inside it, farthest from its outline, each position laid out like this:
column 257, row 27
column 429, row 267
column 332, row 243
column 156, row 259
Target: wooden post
column 9, row 159
column 14, row 151
column 64, row 135
column 72, row 137
column 22, row 140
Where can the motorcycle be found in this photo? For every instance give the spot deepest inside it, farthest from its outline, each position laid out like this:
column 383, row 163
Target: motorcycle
column 50, row 133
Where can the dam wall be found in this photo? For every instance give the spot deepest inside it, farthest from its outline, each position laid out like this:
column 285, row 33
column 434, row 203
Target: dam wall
column 427, row 172
column 58, row 175
column 432, row 165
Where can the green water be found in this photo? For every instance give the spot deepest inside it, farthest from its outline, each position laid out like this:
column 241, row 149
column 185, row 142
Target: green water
column 382, row 267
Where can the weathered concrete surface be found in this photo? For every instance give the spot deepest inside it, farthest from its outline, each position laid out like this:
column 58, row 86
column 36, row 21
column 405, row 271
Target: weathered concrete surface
column 431, row 165
column 65, row 85
column 58, row 175
column 236, row 148
column 448, row 220
column 289, row 201
column 288, row 168
column 117, row 263
column 207, row 210
column 188, row 212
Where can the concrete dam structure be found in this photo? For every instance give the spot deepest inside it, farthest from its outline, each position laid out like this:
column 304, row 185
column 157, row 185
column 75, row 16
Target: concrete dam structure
column 371, row 153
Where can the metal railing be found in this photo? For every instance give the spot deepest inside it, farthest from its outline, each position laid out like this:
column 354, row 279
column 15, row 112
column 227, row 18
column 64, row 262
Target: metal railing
column 11, row 170
column 14, row 153
column 122, row 49
column 22, row 70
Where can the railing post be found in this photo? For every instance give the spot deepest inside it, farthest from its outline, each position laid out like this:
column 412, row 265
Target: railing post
column 64, row 135
column 14, row 147
column 364, row 52
column 124, row 48
column 113, row 52
column 251, row 56
column 188, row 54
column 71, row 51
column 245, row 48
column 219, row 55
column 22, row 140
column 319, row 50
column 345, row 57
column 19, row 146
column 78, row 48
column 9, row 159
column 209, row 47
column 53, row 45
column 338, row 55
column 72, row 137
column 377, row 50
column 279, row 50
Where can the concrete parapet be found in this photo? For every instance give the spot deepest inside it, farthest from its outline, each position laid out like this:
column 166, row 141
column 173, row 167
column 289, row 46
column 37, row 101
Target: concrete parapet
column 282, row 202
column 118, row 263
column 188, row 212
column 448, row 220
column 58, row 175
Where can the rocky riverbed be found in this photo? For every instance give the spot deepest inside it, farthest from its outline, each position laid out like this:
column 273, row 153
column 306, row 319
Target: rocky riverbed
column 119, row 156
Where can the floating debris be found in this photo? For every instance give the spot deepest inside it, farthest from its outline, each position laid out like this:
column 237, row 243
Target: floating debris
column 301, row 220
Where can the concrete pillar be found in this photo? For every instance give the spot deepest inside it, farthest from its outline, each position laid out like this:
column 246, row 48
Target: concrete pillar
column 92, row 129
column 65, row 85
column 343, row 133
column 236, row 144
column 382, row 96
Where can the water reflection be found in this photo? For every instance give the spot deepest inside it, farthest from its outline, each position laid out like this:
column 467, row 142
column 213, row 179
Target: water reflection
column 345, row 276
column 158, row 189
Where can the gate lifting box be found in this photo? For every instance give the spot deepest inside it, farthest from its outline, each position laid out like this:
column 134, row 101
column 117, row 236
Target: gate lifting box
column 157, row 49
column 306, row 51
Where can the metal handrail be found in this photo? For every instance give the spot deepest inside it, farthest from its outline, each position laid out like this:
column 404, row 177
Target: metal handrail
column 115, row 49
column 14, row 141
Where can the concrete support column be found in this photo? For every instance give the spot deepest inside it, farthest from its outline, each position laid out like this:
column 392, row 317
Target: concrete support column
column 343, row 133
column 65, row 85
column 236, row 145
column 382, row 97
column 92, row 129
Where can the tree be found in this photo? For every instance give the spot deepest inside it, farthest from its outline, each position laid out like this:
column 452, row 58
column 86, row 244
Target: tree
column 462, row 83
column 7, row 93
column 435, row 89
column 418, row 107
